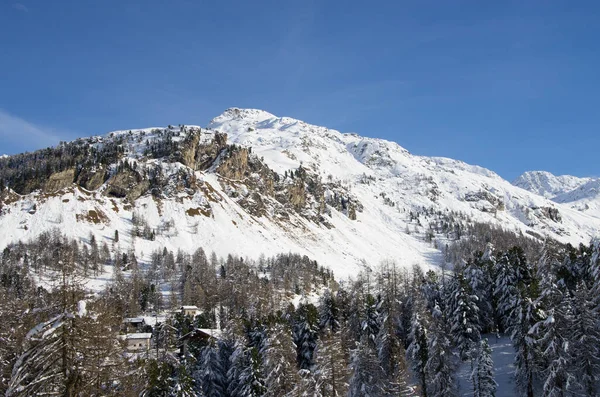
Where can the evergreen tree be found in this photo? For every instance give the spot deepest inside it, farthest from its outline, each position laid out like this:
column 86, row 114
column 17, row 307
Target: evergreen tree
column 391, row 355
column 305, row 335
column 440, row 365
column 417, row 352
column 245, row 378
column 553, row 334
column 184, row 384
column 331, row 366
column 585, row 346
column 329, row 312
column 524, row 316
column 279, row 357
column 482, row 375
column 210, row 373
column 465, row 327
column 367, row 376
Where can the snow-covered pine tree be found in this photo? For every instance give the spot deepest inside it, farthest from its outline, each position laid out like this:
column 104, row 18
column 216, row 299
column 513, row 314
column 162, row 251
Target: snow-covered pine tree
column 478, row 279
column 245, row 378
column 279, row 361
column 553, row 338
column 305, row 335
column 504, row 292
column 183, row 384
column 417, row 352
column 370, row 322
column 209, row 373
column 331, row 366
column 525, row 314
column 464, row 320
column 585, row 346
column 329, row 316
column 367, row 376
column 441, row 361
column 482, row 376
column 392, row 358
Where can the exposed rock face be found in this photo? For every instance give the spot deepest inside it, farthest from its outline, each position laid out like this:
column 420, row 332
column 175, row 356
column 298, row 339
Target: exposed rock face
column 127, row 184
column 59, row 180
column 352, row 213
column 91, row 180
column 297, row 195
column 551, row 213
column 206, row 154
column 235, row 165
column 189, row 149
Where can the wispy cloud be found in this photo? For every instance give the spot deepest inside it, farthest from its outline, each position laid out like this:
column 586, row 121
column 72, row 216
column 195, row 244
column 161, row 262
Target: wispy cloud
column 20, row 134
column 20, row 7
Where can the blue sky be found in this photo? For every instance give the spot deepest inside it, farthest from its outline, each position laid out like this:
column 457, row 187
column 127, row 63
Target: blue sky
column 509, row 85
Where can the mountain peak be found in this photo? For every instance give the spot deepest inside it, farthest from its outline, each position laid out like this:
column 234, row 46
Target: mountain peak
column 255, row 115
column 547, row 184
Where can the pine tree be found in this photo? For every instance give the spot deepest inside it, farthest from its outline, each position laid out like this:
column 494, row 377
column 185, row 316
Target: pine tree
column 553, row 332
column 391, row 355
column 524, row 316
column 184, row 384
column 505, row 292
column 440, row 364
column 328, row 312
column 245, row 378
column 279, row 357
column 210, row 373
column 585, row 346
column 482, row 375
column 370, row 323
column 465, row 327
column 331, row 366
column 417, row 352
column 367, row 376
column 478, row 279
column 305, row 335
column 159, row 378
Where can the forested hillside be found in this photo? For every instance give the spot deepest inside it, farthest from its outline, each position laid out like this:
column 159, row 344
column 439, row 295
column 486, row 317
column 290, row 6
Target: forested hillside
column 286, row 327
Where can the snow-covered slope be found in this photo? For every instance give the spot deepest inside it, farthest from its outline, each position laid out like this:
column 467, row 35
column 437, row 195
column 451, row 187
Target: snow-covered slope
column 396, row 195
column 582, row 194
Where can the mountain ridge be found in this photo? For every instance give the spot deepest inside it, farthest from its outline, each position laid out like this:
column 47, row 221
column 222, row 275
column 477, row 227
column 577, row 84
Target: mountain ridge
column 253, row 182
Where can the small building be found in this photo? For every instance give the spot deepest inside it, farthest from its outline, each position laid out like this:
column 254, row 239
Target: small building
column 190, row 310
column 133, row 324
column 198, row 336
column 137, row 341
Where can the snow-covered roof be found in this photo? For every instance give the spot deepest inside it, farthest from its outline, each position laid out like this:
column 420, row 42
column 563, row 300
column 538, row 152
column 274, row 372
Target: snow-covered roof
column 133, row 320
column 189, row 307
column 212, row 333
column 153, row 320
column 141, row 335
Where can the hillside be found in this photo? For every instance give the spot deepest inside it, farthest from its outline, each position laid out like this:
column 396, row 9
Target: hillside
column 253, row 183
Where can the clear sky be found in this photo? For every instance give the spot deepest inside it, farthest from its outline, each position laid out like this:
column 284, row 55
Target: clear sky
column 509, row 85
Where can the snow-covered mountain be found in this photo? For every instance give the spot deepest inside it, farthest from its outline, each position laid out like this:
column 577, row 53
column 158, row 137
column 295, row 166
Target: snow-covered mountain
column 548, row 185
column 253, row 183
column 582, row 194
